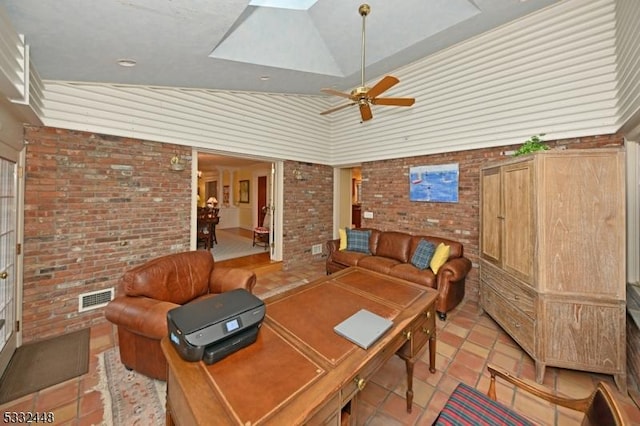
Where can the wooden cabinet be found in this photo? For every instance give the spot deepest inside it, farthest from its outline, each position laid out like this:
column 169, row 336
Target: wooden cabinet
column 552, row 257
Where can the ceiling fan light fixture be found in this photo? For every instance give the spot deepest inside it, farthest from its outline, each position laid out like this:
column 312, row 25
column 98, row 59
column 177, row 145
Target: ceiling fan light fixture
column 365, row 96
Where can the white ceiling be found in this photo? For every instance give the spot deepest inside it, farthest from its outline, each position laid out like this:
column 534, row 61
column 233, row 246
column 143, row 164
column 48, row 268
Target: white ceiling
column 230, row 45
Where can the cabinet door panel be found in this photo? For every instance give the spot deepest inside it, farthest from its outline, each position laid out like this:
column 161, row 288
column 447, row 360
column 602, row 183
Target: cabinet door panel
column 582, row 242
column 491, row 211
column 580, row 335
column 518, row 245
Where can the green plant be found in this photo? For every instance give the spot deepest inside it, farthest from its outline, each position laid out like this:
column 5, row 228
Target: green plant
column 534, row 143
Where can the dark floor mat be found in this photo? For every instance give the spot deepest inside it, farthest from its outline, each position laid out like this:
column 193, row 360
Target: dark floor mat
column 39, row 365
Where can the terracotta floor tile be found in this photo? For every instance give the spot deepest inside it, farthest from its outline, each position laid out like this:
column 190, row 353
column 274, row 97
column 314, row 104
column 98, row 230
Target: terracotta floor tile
column 539, row 410
column 390, row 374
column 463, row 373
column 469, row 360
column 445, row 349
column 374, row 393
column 383, row 419
column 58, row 395
column 396, row 407
column 457, row 330
column 438, row 400
column 64, row 413
column 504, row 361
column 451, row 339
column 24, row 403
column 422, row 392
column 90, row 401
column 574, row 384
column 364, row 411
column 481, row 352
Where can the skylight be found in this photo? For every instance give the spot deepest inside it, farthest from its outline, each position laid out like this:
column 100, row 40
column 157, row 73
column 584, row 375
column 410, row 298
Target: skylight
column 284, row 4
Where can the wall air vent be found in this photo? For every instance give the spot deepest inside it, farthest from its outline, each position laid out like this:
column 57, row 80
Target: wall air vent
column 95, row 299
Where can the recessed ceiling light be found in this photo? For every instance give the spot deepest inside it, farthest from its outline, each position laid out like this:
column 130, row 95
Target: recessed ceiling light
column 128, row 63
column 264, row 77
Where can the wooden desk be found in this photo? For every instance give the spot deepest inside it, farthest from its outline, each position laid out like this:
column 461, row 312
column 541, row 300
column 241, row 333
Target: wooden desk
column 300, row 371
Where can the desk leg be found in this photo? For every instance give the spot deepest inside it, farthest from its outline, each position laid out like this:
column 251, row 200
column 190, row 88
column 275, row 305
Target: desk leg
column 432, row 353
column 167, row 406
column 168, row 418
column 409, row 362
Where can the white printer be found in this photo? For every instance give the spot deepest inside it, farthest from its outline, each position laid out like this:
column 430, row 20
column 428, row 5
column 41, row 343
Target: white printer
column 215, row 327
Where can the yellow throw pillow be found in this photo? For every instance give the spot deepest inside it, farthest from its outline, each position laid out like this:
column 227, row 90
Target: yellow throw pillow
column 343, row 238
column 439, row 257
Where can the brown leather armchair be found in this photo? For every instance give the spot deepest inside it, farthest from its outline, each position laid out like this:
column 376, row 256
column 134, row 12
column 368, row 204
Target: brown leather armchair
column 147, row 292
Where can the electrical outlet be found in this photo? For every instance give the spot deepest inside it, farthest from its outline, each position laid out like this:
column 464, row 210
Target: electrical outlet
column 316, row 249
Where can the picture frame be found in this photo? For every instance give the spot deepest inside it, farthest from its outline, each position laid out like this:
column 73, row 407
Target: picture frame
column 437, row 183
column 244, row 191
column 225, row 195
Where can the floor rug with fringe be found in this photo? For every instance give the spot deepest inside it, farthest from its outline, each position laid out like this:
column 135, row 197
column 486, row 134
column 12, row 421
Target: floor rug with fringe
column 129, row 398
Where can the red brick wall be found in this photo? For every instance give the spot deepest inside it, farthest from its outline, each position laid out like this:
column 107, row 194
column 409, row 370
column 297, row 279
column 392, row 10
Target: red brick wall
column 95, row 205
column 308, row 211
column 385, row 192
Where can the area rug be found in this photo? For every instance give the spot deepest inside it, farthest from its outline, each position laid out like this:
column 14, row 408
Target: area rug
column 231, row 246
column 129, row 398
column 45, row 363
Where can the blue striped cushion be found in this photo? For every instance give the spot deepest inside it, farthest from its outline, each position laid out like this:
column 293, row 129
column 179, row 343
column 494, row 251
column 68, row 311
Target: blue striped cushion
column 423, row 254
column 468, row 406
column 358, row 240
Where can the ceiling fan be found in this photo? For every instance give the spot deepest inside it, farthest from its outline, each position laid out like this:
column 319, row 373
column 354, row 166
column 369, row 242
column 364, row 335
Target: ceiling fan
column 365, row 96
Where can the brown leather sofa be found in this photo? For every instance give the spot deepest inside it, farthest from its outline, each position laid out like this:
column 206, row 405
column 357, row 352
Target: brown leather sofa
column 391, row 254
column 147, row 292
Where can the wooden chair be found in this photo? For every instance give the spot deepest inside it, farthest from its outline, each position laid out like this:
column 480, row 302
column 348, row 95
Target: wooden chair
column 261, row 233
column 467, row 406
column 204, row 234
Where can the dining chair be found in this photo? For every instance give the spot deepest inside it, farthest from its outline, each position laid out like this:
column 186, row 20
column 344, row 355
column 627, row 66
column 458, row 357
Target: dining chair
column 468, row 406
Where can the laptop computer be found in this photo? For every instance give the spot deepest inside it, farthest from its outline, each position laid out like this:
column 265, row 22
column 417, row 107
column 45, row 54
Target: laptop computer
column 363, row 328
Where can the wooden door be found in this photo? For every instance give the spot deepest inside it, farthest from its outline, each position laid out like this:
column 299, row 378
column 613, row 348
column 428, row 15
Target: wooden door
column 518, row 239
column 262, row 199
column 491, row 215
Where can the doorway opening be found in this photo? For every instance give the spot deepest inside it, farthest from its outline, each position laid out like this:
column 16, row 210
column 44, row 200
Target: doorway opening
column 243, row 191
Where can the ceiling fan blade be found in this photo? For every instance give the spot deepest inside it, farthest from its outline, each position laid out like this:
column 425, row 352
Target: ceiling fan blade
column 386, row 83
column 335, row 93
column 393, row 101
column 365, row 111
column 338, row 108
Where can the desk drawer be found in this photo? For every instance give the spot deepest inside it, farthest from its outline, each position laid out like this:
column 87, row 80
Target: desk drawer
column 421, row 330
column 360, row 380
column 329, row 414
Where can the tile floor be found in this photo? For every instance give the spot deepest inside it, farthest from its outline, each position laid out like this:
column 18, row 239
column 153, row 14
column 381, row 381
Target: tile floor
column 466, row 343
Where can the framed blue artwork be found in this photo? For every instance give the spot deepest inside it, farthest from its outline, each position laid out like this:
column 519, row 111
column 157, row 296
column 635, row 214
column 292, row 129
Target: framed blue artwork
column 437, row 184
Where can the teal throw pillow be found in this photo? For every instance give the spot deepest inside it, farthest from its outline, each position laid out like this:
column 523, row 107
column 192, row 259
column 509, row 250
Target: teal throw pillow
column 358, row 240
column 423, row 254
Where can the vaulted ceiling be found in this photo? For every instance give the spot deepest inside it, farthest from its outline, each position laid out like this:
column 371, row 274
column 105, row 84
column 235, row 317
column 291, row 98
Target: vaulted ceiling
column 247, row 45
